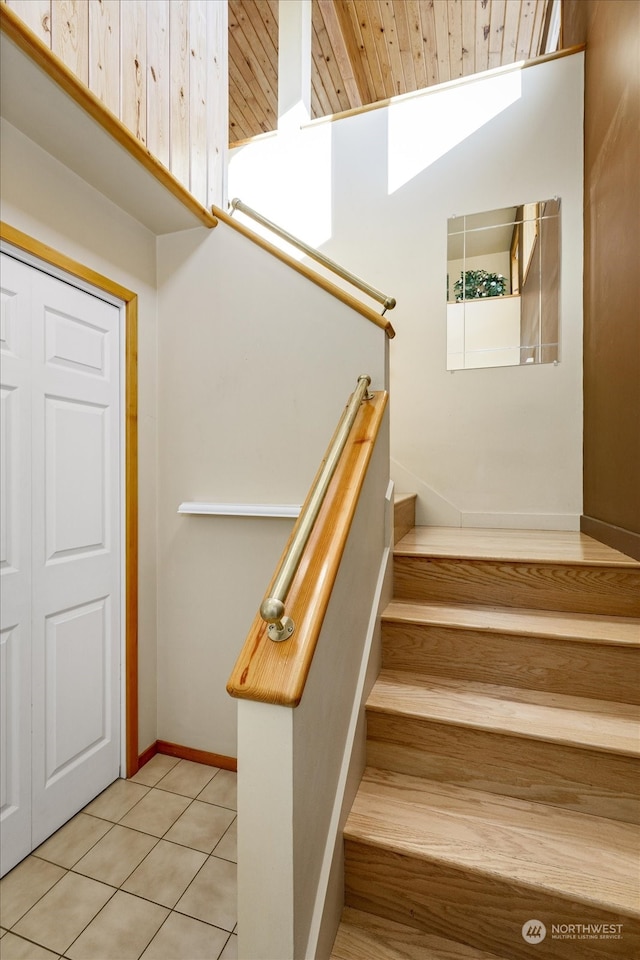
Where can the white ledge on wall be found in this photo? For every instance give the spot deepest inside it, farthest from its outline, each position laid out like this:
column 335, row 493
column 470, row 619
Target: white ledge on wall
column 240, row 509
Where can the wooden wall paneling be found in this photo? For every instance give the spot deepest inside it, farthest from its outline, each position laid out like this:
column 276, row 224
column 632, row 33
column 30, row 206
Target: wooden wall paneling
column 336, row 23
column 404, row 47
column 496, row 33
column 179, row 57
column 239, row 127
column 315, row 105
column 70, row 35
column 266, row 26
column 320, row 103
column 158, row 86
column 104, row 52
column 428, row 35
column 197, row 99
column 361, row 23
column 441, row 20
column 454, row 18
column 376, row 33
column 37, row 16
column 250, row 108
column 323, row 51
column 264, row 54
column 241, row 74
column 483, row 33
column 390, row 38
column 525, row 29
column 354, row 41
column 133, row 67
column 250, row 66
column 218, row 103
column 361, row 74
column 511, row 25
column 469, row 26
column 539, row 24
column 322, row 59
column 416, row 43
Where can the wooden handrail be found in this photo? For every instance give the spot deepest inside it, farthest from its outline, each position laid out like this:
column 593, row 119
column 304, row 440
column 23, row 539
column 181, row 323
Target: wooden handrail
column 387, row 302
column 277, row 672
column 367, row 312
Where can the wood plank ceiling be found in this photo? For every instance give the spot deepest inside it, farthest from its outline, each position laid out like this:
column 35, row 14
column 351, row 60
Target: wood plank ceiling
column 365, row 51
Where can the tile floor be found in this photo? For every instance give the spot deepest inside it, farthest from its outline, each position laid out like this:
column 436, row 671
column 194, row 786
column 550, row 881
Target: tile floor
column 147, row 870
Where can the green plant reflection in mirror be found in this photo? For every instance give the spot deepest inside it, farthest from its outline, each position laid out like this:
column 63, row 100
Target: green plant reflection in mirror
column 503, row 286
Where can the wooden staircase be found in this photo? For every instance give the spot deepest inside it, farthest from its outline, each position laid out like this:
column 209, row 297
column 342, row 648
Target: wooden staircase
column 501, row 792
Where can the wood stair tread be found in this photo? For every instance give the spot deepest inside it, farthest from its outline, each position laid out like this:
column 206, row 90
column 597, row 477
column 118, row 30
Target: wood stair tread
column 364, row 936
column 546, row 624
column 571, row 855
column 532, row 714
column 527, row 546
column 403, row 497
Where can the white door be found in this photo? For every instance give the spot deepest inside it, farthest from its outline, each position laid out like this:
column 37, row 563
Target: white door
column 15, row 570
column 73, row 558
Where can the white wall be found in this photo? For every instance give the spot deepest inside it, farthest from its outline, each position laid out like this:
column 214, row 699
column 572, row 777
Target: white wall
column 48, row 202
column 255, row 366
column 487, row 447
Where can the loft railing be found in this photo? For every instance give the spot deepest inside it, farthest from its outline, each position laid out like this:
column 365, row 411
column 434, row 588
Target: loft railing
column 387, row 302
column 272, row 608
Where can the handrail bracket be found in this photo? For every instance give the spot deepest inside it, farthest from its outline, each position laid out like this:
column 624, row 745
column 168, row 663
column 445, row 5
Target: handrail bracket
column 280, row 627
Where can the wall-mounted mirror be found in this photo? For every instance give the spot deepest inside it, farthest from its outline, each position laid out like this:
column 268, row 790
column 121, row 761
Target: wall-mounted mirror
column 503, row 286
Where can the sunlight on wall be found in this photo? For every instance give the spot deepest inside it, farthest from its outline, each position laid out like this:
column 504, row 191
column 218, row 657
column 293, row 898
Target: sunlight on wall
column 445, row 119
column 287, row 178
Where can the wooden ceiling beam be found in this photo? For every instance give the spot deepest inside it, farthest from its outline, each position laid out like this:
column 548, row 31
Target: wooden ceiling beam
column 345, row 49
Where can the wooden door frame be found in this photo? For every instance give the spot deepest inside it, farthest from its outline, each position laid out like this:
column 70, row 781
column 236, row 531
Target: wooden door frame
column 75, row 269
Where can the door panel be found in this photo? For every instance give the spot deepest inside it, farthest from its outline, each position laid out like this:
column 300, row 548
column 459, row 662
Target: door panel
column 76, row 477
column 15, row 565
column 76, row 551
column 77, row 683
column 61, row 559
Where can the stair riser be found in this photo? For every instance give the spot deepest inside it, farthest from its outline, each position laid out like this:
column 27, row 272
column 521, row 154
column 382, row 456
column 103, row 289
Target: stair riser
column 478, row 909
column 574, row 668
column 608, row 591
column 586, row 781
column 404, row 517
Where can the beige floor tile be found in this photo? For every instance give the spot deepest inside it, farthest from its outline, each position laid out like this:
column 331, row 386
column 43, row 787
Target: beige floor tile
column 187, row 778
column 166, row 873
column 116, row 800
column 222, row 790
column 230, row 951
column 71, row 842
column 24, row 886
column 64, row 912
column 212, row 895
column 156, row 812
column 183, row 936
column 228, row 846
column 116, row 856
column 154, row 770
column 15, row 948
column 201, row 826
column 121, row 931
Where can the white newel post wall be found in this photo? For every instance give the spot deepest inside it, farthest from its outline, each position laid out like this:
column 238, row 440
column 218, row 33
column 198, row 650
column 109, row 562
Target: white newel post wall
column 294, row 64
column 299, row 767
